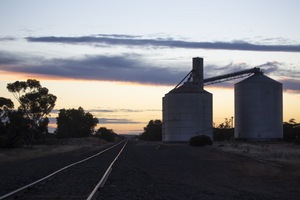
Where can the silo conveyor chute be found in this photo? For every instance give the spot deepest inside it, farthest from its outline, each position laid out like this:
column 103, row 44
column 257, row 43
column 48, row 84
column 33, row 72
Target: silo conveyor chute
column 222, row 78
column 231, row 76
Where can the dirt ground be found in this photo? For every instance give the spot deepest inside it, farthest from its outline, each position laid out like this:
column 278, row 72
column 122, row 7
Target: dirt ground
column 156, row 170
column 9, row 155
column 277, row 159
column 149, row 170
column 273, row 152
column 270, row 152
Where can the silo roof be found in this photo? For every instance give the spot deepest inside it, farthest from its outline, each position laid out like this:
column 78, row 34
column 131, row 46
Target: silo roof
column 188, row 87
column 258, row 78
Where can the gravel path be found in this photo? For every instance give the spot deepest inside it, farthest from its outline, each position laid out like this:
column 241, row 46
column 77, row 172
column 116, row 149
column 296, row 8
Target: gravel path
column 151, row 170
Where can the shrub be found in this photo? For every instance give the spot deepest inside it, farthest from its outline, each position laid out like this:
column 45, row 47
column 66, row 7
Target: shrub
column 153, row 131
column 223, row 134
column 200, row 140
column 297, row 141
column 106, row 134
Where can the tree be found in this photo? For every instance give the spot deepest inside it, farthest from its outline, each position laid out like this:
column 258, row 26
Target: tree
column 75, row 123
column 5, row 106
column 13, row 126
column 227, row 124
column 224, row 131
column 16, row 130
column 291, row 131
column 36, row 103
column 106, row 134
column 153, row 131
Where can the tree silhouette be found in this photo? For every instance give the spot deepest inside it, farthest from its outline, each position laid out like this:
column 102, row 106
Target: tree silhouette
column 106, row 134
column 153, row 131
column 5, row 106
column 291, row 131
column 13, row 125
column 75, row 123
column 36, row 103
column 224, row 131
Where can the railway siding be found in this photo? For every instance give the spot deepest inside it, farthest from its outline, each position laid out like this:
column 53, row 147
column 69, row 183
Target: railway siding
column 75, row 181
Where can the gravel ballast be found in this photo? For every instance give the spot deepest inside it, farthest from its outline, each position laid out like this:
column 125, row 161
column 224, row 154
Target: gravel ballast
column 154, row 170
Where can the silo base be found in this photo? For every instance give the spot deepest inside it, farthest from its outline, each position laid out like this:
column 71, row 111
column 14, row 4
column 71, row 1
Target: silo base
column 186, row 115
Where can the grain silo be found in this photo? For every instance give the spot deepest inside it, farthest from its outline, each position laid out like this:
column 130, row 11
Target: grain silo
column 187, row 109
column 258, row 108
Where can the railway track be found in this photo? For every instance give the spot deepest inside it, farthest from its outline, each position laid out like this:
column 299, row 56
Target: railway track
column 79, row 180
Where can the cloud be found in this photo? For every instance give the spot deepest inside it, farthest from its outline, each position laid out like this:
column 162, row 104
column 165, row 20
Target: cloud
column 4, row 39
column 9, row 58
column 213, row 71
column 287, row 75
column 292, row 86
column 119, row 36
column 117, row 121
column 106, row 120
column 52, row 121
column 125, row 67
column 133, row 68
column 121, row 110
column 129, row 40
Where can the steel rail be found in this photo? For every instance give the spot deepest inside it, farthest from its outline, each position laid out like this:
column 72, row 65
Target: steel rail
column 56, row 172
column 106, row 174
column 264, row 161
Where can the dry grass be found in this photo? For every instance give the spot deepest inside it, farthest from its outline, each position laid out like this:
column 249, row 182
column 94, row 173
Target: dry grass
column 7, row 155
column 279, row 151
column 279, row 159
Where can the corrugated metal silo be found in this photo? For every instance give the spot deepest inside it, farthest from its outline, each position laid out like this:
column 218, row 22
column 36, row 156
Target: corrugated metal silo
column 187, row 110
column 258, row 108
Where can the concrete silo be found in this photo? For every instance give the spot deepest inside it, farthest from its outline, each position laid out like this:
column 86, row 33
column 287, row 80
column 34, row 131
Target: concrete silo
column 187, row 109
column 258, row 108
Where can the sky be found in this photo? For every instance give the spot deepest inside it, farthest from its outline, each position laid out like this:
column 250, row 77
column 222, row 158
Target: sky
column 117, row 59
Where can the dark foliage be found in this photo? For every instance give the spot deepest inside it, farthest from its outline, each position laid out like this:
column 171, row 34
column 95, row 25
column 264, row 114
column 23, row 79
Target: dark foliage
column 5, row 104
column 14, row 128
column 227, row 124
column 153, row 131
column 15, row 131
column 106, row 134
column 223, row 134
column 75, row 123
column 36, row 103
column 291, row 131
column 200, row 140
